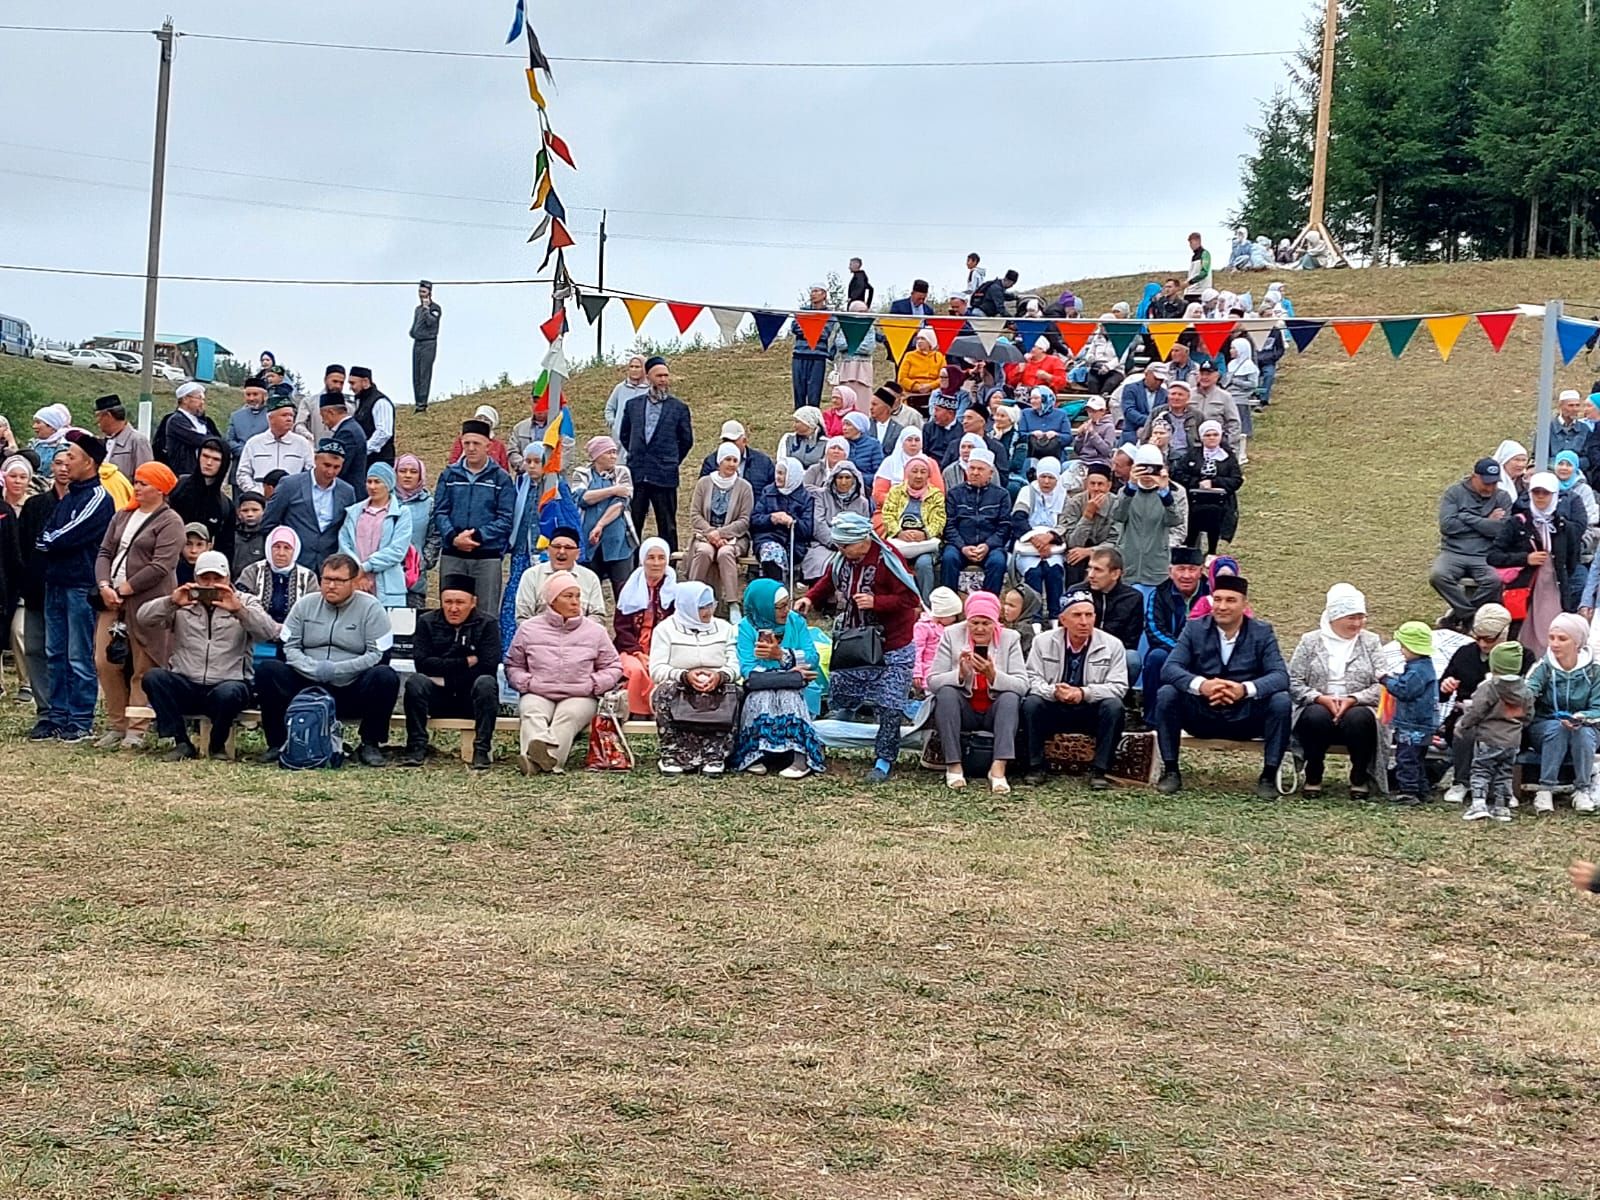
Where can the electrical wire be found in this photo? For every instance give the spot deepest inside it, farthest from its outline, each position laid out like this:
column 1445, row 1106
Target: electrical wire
column 68, row 29
column 37, row 270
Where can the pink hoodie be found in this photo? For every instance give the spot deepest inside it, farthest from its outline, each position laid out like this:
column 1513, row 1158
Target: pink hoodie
column 562, row 657
column 925, row 637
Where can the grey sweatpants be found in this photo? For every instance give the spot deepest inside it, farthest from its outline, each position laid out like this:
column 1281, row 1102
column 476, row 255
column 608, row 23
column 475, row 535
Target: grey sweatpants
column 1450, row 570
column 1491, row 776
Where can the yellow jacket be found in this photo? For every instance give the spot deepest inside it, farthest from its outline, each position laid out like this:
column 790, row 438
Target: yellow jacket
column 919, row 370
column 894, row 507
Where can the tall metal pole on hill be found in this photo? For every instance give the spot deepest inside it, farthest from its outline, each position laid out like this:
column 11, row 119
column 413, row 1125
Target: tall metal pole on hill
column 600, row 318
column 1319, row 160
column 1547, row 383
column 152, row 269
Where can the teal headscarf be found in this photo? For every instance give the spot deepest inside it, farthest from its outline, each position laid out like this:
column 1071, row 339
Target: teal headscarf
column 1568, row 456
column 761, row 600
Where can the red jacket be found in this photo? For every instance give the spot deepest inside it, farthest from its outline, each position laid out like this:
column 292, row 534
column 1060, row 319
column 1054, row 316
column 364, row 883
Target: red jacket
column 895, row 608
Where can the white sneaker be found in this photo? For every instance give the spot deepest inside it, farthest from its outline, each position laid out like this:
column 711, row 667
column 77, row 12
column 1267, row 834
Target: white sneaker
column 1543, row 801
column 1457, row 794
column 953, row 778
column 1479, row 811
column 713, row 768
column 1582, row 802
column 670, row 768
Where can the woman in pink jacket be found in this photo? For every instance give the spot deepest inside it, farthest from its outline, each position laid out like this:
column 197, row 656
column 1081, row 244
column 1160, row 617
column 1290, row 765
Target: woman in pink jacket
column 560, row 662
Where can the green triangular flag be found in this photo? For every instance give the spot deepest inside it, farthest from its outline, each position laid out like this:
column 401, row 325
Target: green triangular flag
column 1398, row 333
column 541, row 167
column 856, row 330
column 1121, row 334
column 593, row 306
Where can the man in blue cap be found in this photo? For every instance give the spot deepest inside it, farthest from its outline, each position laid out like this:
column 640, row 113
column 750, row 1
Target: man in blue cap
column 1470, row 515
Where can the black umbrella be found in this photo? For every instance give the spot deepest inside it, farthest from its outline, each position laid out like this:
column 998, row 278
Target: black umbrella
column 969, row 346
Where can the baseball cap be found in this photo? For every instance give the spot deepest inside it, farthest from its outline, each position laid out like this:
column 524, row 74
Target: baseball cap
column 1486, row 468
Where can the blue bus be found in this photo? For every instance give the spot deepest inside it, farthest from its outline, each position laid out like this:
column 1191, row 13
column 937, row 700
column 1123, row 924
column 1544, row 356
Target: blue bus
column 15, row 336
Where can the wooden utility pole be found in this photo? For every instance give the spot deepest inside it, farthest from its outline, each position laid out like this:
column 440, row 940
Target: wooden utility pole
column 1319, row 162
column 152, row 269
column 600, row 321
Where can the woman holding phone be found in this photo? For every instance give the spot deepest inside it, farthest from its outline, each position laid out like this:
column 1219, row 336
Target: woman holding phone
column 978, row 681
column 783, row 689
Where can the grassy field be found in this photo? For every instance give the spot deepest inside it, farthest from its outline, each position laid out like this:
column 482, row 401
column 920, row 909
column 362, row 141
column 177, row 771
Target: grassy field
column 229, row 981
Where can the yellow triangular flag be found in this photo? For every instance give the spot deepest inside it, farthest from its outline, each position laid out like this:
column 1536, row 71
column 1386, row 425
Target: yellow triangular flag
column 1165, row 333
column 533, row 89
column 1445, row 331
column 898, row 332
column 639, row 310
column 540, row 191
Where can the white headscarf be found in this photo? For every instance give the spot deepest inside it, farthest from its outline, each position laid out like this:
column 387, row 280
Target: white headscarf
column 793, row 473
column 718, row 479
column 58, row 417
column 1544, row 518
column 691, row 598
column 636, row 592
column 1504, row 453
column 1343, row 601
column 894, row 467
column 1050, row 502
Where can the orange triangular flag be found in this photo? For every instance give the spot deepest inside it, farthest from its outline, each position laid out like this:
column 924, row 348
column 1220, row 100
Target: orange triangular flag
column 684, row 314
column 945, row 331
column 541, row 191
column 1496, row 327
column 1076, row 334
column 1165, row 334
column 898, row 332
column 560, row 239
column 638, row 310
column 1352, row 334
column 811, row 324
column 1214, row 335
column 1445, row 331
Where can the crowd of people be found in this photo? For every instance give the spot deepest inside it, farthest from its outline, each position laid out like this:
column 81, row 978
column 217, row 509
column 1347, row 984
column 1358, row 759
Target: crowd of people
column 1002, row 548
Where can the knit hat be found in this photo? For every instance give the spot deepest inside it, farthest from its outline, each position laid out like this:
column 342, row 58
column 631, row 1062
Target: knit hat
column 1076, row 597
column 382, row 472
column 1506, row 659
column 943, row 602
column 1491, row 620
column 983, row 604
column 558, row 582
column 1415, row 637
column 810, row 416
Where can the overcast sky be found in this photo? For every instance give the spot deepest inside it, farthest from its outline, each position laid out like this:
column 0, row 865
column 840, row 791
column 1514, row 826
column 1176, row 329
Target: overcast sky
column 1059, row 171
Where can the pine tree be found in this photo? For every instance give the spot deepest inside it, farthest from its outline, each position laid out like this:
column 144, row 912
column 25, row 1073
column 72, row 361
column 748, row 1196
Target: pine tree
column 1277, row 177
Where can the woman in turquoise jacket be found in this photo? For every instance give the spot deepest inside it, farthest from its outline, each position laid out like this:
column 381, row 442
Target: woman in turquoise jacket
column 377, row 534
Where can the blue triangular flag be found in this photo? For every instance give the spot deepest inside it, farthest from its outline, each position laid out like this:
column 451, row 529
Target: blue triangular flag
column 1574, row 336
column 516, row 22
column 1303, row 330
column 553, row 206
column 769, row 325
column 1028, row 332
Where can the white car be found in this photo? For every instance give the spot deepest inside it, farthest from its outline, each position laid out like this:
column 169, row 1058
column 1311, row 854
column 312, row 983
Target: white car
column 93, row 360
column 168, row 372
column 55, row 354
column 126, row 360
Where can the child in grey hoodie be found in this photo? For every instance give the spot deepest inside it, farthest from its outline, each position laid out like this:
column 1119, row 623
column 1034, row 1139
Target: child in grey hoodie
column 1496, row 715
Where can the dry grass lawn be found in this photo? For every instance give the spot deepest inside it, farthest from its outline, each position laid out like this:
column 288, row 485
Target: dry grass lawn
column 236, row 982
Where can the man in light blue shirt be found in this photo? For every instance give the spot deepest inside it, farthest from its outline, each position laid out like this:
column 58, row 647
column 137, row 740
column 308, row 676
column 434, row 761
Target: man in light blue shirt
column 312, row 503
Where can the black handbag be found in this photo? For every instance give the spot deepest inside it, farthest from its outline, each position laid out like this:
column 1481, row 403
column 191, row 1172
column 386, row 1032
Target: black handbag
column 118, row 652
column 860, row 646
column 774, row 681
column 705, row 712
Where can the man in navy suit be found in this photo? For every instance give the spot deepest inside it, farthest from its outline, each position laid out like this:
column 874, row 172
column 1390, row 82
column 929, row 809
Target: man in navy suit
column 658, row 434
column 1225, row 678
column 312, row 503
column 914, row 305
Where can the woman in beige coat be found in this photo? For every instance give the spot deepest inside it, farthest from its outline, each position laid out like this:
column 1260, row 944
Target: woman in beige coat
column 719, row 514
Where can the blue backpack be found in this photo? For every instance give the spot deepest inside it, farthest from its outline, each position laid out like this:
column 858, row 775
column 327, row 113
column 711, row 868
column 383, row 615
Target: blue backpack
column 315, row 737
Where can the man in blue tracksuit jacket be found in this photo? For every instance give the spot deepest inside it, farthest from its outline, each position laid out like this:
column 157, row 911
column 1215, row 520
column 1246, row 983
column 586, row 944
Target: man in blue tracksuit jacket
column 68, row 544
column 474, row 507
column 1166, row 614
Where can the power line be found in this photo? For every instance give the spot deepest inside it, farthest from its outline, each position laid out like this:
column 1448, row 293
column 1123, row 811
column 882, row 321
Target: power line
column 66, row 29
column 37, row 270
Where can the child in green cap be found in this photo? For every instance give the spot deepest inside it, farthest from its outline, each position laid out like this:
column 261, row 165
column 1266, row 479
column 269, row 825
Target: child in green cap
column 1415, row 691
column 1495, row 717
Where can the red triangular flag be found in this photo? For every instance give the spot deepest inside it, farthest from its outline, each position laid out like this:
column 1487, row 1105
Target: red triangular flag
column 812, row 324
column 1214, row 335
column 559, row 149
column 1352, row 334
column 946, row 330
column 1076, row 334
column 1497, row 327
column 684, row 314
column 555, row 326
column 560, row 239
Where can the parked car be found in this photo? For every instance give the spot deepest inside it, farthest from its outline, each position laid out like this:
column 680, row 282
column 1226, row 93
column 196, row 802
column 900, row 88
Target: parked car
column 55, row 354
column 127, row 360
column 93, row 360
column 169, row 372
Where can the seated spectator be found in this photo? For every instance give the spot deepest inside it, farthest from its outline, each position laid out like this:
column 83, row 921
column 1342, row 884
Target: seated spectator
column 893, row 470
column 559, row 664
column 921, row 364
column 1541, row 548
column 377, row 534
column 941, row 429
column 1565, row 684
column 975, row 526
column 249, row 531
column 1039, row 368
column 882, row 427
column 755, row 468
column 841, row 400
column 1011, row 457
column 805, row 441
column 1568, row 429
column 781, row 522
column 1578, row 499
column 278, row 581
column 1139, row 398
column 1224, row 679
column 1334, row 685
column 978, row 680
column 561, row 557
column 336, row 639
column 457, row 654
column 210, row 626
column 313, row 504
column 955, row 472
column 1096, row 440
column 974, row 423
column 1166, row 611
column 783, row 690
column 694, row 655
column 411, row 485
column 1077, row 678
column 1468, row 667
column 900, row 412
column 1039, row 529
column 1145, row 514
column 137, row 562
column 951, row 391
column 1210, row 473
column 842, row 493
column 1086, row 518
column 865, row 451
column 943, row 610
column 912, row 518
column 1181, row 416
column 196, row 541
column 602, row 490
column 1513, row 459
column 1046, row 427
column 1020, row 608
column 1118, row 607
column 835, row 450
column 719, row 514
column 1470, row 515
column 1212, row 402
column 645, row 601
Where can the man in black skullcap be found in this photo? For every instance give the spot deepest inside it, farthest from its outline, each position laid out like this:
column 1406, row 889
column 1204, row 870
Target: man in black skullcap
column 374, row 413
column 1166, row 612
column 343, row 429
column 424, row 344
column 313, row 503
column 126, row 448
column 308, row 409
column 456, row 651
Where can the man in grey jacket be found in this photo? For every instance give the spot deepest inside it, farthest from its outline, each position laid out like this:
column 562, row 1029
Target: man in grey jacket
column 208, row 671
column 1077, row 677
column 1469, row 520
column 424, row 344
column 335, row 639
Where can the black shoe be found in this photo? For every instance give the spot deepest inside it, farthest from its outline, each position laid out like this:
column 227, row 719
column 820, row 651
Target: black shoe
column 269, row 756
column 42, row 732
column 371, row 756
column 414, row 756
column 1409, row 800
column 1266, row 788
column 1034, row 778
column 1099, row 783
column 180, row 752
column 1170, row 782
column 481, row 760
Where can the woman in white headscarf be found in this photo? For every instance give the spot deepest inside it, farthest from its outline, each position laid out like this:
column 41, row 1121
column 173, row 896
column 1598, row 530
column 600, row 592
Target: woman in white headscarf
column 50, row 425
column 781, row 524
column 805, row 441
column 1537, row 553
column 694, row 656
column 1513, row 459
column 1333, row 684
column 720, row 509
column 1040, row 535
column 644, row 603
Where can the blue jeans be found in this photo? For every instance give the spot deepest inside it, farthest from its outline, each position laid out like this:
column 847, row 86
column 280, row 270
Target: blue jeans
column 1047, row 579
column 809, row 375
column 69, row 658
column 994, row 568
column 1556, row 745
column 1269, row 374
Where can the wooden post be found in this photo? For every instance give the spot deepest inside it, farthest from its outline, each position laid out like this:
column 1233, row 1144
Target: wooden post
column 1319, row 161
column 158, row 173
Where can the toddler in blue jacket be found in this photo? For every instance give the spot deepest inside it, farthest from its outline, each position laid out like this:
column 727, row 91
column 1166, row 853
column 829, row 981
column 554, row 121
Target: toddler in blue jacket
column 1415, row 691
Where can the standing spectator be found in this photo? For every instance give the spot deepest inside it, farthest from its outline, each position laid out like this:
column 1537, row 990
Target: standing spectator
column 860, row 288
column 527, row 449
column 975, row 274
column 374, row 414
column 335, row 638
column 1244, row 377
column 457, row 653
column 50, row 426
column 199, row 495
column 1568, row 429
column 658, row 434
column 810, row 367
column 1145, row 514
column 1541, row 542
column 719, row 514
column 978, row 679
column 1077, row 677
column 249, row 534
column 184, row 430
column 914, row 305
column 1493, row 725
column 1199, row 278
column 855, row 371
column 278, row 447
column 633, row 383
column 424, row 345
column 601, row 489
column 1416, row 694
column 126, row 448
column 377, row 534
column 411, row 485
column 1470, row 514
column 976, row 523
column 342, row 428
column 33, row 518
column 473, row 509
column 248, row 419
column 16, row 478
column 308, row 409
column 312, row 504
column 67, row 546
column 136, row 563
column 1269, row 356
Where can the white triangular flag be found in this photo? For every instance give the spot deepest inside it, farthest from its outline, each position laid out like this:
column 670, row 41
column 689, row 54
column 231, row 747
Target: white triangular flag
column 727, row 320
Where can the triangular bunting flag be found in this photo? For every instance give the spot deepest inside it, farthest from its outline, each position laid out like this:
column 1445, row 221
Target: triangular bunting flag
column 593, row 306
column 559, row 148
column 946, row 330
column 516, row 22
column 1446, row 330
column 560, row 239
column 856, row 331
column 539, row 230
column 553, row 206
column 533, row 89
column 1352, row 334
column 1121, row 335
column 811, row 324
column 684, row 314
column 1076, row 334
column 898, row 332
column 1214, row 335
column 541, row 164
column 1573, row 336
column 988, row 335
column 638, row 310
column 1165, row 335
column 1029, row 332
column 1398, row 333
column 541, row 190
column 728, row 320
column 555, row 326
column 1304, row 331
column 541, row 383
column 769, row 325
column 1496, row 326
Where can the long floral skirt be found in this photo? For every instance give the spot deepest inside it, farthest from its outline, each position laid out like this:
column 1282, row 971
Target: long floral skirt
column 690, row 749
column 887, row 687
column 776, row 722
